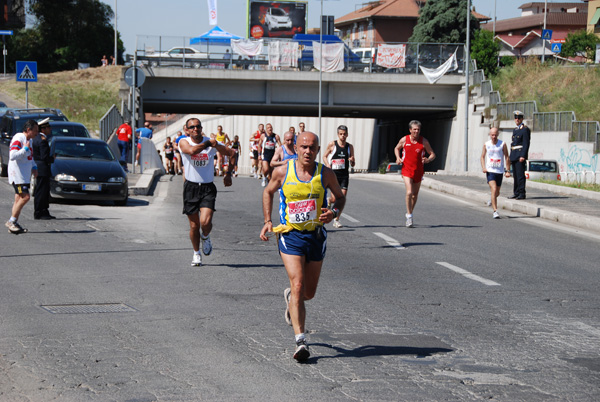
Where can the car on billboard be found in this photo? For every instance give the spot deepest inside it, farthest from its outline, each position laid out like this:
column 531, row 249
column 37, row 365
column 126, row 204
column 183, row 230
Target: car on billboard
column 277, row 18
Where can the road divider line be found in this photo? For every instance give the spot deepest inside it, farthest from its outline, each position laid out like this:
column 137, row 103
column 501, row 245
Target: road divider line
column 468, row 274
column 351, row 219
column 389, row 240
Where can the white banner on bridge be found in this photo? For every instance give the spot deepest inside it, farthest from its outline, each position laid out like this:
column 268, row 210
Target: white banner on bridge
column 333, row 56
column 391, row 56
column 247, row 47
column 434, row 74
column 283, row 54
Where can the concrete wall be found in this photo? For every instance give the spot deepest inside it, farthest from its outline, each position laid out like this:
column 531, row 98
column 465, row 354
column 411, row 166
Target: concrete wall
column 360, row 132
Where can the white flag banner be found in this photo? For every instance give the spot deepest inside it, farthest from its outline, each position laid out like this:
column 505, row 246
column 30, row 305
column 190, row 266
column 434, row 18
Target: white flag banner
column 391, row 56
column 283, row 54
column 434, row 74
column 247, row 47
column 333, row 56
column 212, row 12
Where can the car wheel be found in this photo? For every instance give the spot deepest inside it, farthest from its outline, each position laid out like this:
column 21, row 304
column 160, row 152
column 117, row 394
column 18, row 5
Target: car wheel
column 196, row 65
column 3, row 168
column 123, row 202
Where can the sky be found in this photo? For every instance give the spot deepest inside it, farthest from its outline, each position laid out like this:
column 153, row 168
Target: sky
column 189, row 18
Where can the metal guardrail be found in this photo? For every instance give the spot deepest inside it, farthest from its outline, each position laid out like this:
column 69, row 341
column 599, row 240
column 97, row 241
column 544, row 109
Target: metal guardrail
column 506, row 109
column 478, row 77
column 110, row 122
column 494, row 98
column 486, row 88
column 586, row 131
column 553, row 121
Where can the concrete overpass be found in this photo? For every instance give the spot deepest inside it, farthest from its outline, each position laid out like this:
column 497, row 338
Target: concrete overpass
column 390, row 100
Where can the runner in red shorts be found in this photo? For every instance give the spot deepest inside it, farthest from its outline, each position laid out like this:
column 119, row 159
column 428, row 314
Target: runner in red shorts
column 413, row 157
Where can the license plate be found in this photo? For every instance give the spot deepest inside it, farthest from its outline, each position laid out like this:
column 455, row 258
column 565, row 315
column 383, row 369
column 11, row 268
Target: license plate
column 91, row 187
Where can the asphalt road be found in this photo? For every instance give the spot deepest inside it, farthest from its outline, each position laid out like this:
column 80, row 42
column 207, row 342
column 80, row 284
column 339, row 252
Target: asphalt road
column 102, row 304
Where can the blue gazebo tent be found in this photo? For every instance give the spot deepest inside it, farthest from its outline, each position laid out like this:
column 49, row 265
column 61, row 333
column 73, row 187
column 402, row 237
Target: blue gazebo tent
column 215, row 36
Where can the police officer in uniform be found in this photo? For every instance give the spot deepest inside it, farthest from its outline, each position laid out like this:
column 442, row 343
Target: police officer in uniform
column 519, row 150
column 43, row 159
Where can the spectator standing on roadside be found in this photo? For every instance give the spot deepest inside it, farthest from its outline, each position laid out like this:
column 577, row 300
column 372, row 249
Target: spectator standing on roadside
column 413, row 158
column 113, row 61
column 21, row 167
column 124, row 133
column 339, row 156
column 104, row 61
column 43, row 159
column 519, row 153
column 493, row 158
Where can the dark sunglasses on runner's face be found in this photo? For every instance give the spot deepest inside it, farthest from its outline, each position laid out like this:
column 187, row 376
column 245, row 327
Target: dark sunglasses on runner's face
column 197, row 126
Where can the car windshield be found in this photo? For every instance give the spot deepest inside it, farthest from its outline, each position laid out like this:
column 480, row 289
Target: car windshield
column 542, row 166
column 83, row 150
column 278, row 12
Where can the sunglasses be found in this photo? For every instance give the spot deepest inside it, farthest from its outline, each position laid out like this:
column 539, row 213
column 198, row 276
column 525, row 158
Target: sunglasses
column 518, row 117
column 198, row 126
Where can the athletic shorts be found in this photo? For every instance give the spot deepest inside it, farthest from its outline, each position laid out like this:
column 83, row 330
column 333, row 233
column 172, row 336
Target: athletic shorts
column 21, row 188
column 415, row 175
column 311, row 245
column 198, row 195
column 169, row 156
column 343, row 180
column 497, row 177
column 267, row 156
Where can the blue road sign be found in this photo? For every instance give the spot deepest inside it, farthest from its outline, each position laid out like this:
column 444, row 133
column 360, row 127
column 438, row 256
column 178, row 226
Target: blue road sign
column 27, row 71
column 556, row 47
column 546, row 34
column 3, row 32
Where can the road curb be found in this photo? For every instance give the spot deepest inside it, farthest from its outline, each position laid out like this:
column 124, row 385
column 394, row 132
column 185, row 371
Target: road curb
column 144, row 183
column 479, row 197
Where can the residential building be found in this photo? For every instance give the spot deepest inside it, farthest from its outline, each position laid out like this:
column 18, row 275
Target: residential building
column 593, row 23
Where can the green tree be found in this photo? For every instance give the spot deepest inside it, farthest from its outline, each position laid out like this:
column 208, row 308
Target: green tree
column 485, row 50
column 65, row 33
column 580, row 43
column 443, row 21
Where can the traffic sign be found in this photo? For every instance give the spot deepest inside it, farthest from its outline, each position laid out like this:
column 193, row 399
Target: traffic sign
column 556, row 47
column 27, row 71
column 546, row 34
column 5, row 32
column 140, row 77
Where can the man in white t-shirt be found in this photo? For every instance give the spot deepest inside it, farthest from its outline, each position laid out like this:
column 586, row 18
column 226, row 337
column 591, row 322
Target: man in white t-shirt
column 494, row 162
column 20, row 168
column 199, row 191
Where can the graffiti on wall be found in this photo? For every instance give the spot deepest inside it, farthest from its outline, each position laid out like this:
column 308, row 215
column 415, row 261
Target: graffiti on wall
column 578, row 160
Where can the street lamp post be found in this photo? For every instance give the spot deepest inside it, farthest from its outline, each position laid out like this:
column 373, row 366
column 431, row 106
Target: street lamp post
column 116, row 54
column 467, row 65
column 544, row 40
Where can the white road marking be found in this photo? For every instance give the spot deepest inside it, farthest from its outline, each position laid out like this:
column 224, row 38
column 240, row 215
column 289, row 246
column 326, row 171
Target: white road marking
column 351, row 219
column 468, row 274
column 391, row 241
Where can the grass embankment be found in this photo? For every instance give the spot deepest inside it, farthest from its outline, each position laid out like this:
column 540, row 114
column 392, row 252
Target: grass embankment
column 553, row 87
column 83, row 96
column 581, row 186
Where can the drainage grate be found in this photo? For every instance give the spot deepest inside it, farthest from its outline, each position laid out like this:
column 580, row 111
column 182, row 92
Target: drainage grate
column 89, row 308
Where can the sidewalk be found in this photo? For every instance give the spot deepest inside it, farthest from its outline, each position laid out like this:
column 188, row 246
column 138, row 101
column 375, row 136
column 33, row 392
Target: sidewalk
column 574, row 207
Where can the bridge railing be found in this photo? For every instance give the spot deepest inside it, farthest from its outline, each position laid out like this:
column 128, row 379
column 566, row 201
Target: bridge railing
column 169, row 51
column 506, row 109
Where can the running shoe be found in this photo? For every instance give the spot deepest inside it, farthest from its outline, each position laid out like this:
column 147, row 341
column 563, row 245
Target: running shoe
column 496, row 215
column 7, row 224
column 15, row 228
column 409, row 222
column 197, row 260
column 286, row 295
column 337, row 224
column 264, row 182
column 302, row 353
column 206, row 245
column 488, row 203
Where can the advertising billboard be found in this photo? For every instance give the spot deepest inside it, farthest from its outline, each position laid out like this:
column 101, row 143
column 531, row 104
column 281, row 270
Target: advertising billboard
column 276, row 19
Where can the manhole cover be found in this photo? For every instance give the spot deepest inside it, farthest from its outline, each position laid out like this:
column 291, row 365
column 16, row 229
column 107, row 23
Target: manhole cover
column 89, row 308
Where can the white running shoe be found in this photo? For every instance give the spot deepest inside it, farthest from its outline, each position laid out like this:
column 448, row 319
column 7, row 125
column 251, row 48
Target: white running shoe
column 197, row 260
column 488, row 203
column 206, row 244
column 286, row 295
column 15, row 228
column 302, row 353
column 264, row 183
column 409, row 222
column 337, row 224
column 496, row 215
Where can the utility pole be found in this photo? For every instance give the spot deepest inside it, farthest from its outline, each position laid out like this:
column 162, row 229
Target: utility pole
column 544, row 40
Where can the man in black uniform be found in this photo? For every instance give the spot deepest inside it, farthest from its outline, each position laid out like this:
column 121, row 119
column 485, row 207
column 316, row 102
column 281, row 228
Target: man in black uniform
column 43, row 159
column 519, row 151
column 339, row 156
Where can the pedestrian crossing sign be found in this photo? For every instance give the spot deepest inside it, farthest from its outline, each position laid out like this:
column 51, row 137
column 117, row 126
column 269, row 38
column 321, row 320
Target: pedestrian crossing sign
column 556, row 47
column 546, row 34
column 27, row 71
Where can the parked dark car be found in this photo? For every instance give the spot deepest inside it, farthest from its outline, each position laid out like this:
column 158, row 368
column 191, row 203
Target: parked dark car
column 86, row 169
column 68, row 129
column 12, row 122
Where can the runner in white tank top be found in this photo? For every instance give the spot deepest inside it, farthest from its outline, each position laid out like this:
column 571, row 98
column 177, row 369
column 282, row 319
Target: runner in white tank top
column 494, row 159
